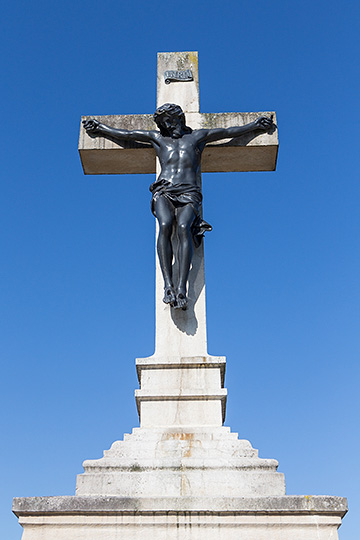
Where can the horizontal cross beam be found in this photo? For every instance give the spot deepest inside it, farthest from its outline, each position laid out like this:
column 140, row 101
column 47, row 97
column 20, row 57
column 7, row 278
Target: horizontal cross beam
column 246, row 153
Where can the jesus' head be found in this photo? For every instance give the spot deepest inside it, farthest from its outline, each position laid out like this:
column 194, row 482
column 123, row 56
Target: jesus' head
column 170, row 119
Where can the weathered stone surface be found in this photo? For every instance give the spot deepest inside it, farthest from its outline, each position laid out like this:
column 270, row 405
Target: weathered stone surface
column 178, row 391
column 107, row 518
column 177, row 462
column 145, row 366
column 181, row 448
column 101, row 156
column 299, row 504
column 185, row 94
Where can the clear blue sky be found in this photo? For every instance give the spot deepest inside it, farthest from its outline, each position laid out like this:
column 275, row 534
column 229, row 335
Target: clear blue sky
column 282, row 263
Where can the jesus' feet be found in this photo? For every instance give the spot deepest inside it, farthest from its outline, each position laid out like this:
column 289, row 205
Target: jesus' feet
column 169, row 296
column 181, row 299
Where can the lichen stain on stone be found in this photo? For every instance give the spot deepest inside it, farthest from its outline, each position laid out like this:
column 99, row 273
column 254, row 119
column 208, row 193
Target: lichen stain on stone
column 223, row 120
column 181, row 61
column 210, row 120
column 186, row 60
column 194, row 62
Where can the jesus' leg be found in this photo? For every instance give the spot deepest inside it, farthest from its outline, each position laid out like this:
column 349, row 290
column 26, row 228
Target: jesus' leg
column 165, row 214
column 185, row 217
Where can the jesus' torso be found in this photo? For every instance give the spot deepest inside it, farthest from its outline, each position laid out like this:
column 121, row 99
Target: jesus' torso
column 179, row 158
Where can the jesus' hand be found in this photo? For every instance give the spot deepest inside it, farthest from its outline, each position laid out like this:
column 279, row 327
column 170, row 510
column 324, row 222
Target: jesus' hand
column 264, row 123
column 92, row 126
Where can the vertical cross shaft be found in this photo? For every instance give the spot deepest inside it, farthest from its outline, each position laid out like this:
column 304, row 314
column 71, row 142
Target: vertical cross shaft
column 181, row 333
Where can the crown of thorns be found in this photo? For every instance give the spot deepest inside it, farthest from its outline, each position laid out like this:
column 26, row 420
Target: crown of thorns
column 168, row 108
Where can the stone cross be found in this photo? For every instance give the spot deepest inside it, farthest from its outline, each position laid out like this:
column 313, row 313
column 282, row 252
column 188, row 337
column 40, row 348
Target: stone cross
column 178, row 330
column 180, row 334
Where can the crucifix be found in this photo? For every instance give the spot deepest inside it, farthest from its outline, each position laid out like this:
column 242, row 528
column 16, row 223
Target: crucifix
column 217, row 142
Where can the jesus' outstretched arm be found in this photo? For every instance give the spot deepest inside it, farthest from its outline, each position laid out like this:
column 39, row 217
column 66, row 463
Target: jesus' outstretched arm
column 95, row 128
column 263, row 123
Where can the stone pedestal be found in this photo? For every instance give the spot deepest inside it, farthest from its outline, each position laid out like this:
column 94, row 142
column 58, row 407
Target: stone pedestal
column 181, row 463
column 181, row 448
column 181, row 475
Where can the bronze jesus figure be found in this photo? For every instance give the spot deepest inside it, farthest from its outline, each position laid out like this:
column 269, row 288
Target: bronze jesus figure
column 176, row 195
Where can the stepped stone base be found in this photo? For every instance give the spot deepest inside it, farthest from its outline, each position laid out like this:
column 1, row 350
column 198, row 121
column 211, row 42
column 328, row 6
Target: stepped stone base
column 189, row 462
column 178, row 481
column 173, row 481
column 189, row 484
column 185, row 518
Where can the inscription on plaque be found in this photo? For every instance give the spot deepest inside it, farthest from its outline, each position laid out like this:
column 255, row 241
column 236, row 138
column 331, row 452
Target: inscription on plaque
column 178, row 76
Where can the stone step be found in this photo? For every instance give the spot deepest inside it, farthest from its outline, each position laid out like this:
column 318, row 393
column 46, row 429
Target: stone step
column 181, row 407
column 196, row 448
column 184, row 462
column 201, row 432
column 156, row 482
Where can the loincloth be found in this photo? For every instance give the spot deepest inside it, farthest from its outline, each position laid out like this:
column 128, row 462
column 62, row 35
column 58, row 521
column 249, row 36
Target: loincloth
column 181, row 195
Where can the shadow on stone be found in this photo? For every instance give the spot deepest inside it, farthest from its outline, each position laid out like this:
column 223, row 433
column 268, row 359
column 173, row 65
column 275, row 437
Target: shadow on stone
column 185, row 320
